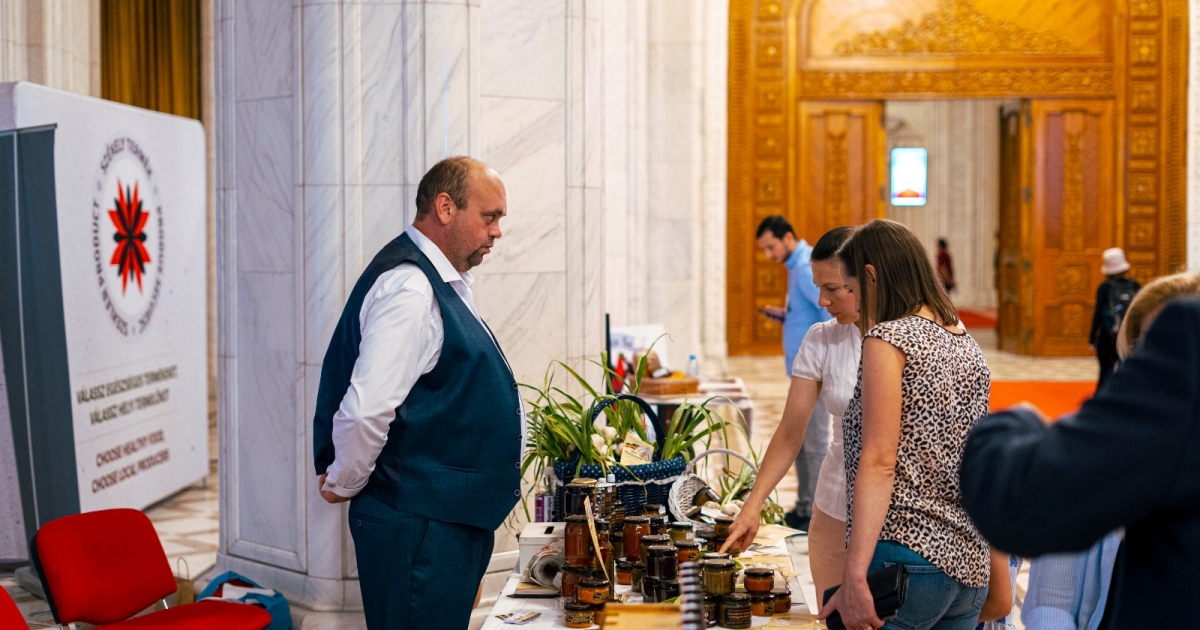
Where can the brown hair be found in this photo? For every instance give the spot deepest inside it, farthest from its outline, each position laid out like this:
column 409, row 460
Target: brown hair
column 1156, row 294
column 904, row 278
column 449, row 176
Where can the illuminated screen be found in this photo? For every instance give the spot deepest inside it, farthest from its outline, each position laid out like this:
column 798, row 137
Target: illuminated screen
column 910, row 176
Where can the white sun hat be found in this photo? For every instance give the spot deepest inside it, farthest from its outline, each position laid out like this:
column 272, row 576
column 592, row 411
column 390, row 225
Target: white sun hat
column 1114, row 261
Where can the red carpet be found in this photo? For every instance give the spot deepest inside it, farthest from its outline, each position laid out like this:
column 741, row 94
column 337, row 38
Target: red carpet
column 1053, row 398
column 978, row 317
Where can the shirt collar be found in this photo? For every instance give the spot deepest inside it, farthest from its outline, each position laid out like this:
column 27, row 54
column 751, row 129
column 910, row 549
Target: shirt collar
column 798, row 255
column 435, row 255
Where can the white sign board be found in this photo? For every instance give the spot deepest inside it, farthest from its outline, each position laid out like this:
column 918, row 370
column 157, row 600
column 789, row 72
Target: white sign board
column 130, row 193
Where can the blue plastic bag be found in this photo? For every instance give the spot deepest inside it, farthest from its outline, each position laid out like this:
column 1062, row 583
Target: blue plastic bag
column 276, row 605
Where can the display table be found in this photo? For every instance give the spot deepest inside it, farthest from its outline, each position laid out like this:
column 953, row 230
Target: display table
column 771, row 550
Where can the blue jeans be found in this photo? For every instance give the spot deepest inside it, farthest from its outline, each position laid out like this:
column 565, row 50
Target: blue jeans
column 935, row 600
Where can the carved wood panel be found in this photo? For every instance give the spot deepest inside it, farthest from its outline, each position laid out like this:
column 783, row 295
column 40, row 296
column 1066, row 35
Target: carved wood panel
column 1016, row 332
column 841, row 150
column 1134, row 52
column 1073, row 218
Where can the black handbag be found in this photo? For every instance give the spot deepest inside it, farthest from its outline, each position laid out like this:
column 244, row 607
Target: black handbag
column 888, row 585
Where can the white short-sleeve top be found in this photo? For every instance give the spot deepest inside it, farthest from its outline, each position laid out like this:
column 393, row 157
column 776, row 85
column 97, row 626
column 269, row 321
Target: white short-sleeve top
column 830, row 354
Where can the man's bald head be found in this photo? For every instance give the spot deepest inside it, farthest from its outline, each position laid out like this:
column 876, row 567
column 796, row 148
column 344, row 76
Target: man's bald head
column 460, row 202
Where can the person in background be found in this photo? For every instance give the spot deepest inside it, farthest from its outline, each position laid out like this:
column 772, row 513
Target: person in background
column 945, row 266
column 778, row 241
column 826, row 368
column 1112, row 299
column 1068, row 591
column 922, row 386
column 1126, row 459
column 418, row 423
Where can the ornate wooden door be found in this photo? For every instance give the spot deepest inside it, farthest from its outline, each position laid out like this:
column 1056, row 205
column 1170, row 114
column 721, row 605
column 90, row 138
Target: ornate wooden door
column 1014, row 266
column 832, row 175
column 1073, row 218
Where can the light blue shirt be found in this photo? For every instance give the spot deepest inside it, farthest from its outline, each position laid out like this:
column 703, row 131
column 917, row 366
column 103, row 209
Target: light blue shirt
column 802, row 308
column 1068, row 591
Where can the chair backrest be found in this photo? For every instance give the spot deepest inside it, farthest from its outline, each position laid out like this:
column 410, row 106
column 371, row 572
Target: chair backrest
column 101, row 567
column 10, row 615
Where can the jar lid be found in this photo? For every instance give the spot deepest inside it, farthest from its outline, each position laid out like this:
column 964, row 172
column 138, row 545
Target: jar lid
column 652, row 508
column 577, row 606
column 636, row 520
column 687, row 544
column 737, row 598
column 762, row 597
column 719, row 563
column 624, row 565
column 577, row 518
column 594, row 582
column 662, row 550
column 682, row 525
column 577, row 570
column 724, row 518
column 618, row 534
column 782, row 592
column 639, row 566
column 654, row 539
column 711, row 599
column 717, row 556
column 601, row 523
column 760, row 572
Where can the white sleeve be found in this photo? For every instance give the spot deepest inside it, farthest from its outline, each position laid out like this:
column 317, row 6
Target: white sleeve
column 401, row 340
column 810, row 359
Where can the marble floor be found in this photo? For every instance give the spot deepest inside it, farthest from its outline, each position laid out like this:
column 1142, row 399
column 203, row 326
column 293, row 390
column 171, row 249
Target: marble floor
column 187, row 522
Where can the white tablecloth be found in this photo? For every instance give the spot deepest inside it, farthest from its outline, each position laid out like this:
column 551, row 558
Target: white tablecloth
column 551, row 608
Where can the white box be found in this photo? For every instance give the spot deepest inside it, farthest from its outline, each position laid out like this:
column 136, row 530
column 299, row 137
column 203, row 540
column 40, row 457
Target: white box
column 535, row 536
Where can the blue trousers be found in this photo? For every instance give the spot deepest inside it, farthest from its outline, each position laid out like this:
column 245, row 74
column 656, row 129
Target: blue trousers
column 415, row 572
column 935, row 600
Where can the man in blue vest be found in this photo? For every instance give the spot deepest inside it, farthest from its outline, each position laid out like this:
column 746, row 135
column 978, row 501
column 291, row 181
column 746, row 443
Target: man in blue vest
column 418, row 422
column 778, row 241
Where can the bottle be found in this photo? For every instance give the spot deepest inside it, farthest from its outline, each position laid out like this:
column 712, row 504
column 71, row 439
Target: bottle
column 693, row 367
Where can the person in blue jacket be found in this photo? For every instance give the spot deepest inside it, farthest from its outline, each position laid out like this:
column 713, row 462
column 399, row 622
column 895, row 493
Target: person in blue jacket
column 778, row 241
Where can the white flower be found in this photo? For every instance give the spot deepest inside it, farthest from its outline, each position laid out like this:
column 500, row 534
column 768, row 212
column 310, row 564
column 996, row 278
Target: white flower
column 597, row 440
column 730, row 509
column 609, row 433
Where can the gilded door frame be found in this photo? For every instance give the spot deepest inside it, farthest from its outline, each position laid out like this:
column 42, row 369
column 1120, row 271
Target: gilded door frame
column 1146, row 79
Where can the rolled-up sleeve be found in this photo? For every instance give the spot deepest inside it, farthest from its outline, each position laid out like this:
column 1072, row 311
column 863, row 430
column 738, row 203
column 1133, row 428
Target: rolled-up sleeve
column 401, row 340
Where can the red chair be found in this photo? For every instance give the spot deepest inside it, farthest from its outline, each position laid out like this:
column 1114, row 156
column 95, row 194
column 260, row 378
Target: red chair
column 104, row 567
column 10, row 615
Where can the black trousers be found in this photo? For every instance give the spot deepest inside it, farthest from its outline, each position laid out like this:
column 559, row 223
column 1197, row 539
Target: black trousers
column 415, row 572
column 1106, row 354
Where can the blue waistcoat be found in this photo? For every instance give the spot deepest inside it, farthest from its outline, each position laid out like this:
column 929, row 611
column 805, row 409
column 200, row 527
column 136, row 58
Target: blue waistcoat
column 453, row 451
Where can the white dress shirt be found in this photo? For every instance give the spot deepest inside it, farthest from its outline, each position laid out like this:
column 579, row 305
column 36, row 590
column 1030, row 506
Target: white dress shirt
column 400, row 311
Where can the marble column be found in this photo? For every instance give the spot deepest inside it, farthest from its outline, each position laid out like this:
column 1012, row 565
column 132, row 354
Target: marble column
column 52, row 42
column 328, row 114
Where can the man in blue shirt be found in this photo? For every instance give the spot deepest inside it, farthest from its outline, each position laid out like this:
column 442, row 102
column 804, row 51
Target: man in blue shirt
column 778, row 241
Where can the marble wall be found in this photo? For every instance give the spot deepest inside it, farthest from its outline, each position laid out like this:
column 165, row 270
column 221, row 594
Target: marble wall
column 963, row 140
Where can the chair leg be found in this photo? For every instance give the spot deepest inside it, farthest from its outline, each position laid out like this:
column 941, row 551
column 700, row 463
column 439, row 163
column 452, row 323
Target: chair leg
column 165, row 603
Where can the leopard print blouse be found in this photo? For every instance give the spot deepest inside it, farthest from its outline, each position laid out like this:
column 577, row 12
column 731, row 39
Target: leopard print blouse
column 945, row 387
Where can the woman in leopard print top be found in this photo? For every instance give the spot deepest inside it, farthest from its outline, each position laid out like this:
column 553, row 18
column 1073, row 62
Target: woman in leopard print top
column 922, row 385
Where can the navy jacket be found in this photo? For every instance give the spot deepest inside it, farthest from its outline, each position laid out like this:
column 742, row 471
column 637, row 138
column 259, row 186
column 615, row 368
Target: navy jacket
column 453, row 451
column 1129, row 458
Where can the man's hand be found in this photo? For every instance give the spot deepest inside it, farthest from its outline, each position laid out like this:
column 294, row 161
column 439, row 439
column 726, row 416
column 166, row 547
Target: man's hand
column 329, row 496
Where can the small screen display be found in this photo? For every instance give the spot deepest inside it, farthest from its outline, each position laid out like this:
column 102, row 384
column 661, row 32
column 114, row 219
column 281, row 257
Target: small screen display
column 910, row 176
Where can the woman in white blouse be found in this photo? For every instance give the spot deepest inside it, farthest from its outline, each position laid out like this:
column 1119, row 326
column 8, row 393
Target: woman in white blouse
column 826, row 366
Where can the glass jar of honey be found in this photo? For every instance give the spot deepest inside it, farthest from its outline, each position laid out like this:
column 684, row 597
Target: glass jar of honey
column 721, row 528
column 783, row 600
column 687, row 551
column 660, row 525
column 594, row 590
column 681, row 531
column 617, row 538
column 735, row 611
column 635, row 528
column 759, row 579
column 637, row 573
column 579, row 615
column 650, row 541
column 661, row 562
column 577, row 543
column 650, row 589
column 711, row 608
column 718, row 577
column 575, row 493
column 571, row 577
column 762, row 604
column 653, row 509
column 625, row 573
column 668, row 589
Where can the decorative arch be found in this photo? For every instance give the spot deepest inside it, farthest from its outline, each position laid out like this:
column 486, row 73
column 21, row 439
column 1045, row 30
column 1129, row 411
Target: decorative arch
column 787, row 52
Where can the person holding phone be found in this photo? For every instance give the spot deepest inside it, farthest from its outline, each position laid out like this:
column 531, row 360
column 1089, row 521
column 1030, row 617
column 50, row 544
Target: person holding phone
column 778, row 241
column 923, row 384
